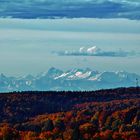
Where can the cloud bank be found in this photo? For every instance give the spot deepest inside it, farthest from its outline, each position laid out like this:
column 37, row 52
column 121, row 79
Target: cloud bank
column 70, row 8
column 95, row 51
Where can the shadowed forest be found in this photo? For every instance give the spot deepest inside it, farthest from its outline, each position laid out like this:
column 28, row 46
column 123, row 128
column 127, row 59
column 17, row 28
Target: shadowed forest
column 112, row 114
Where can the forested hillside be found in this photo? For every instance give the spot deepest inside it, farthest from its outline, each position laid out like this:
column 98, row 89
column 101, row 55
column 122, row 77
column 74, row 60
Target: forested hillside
column 96, row 115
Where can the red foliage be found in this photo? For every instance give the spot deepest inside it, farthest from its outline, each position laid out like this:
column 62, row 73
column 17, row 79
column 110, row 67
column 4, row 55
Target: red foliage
column 81, row 115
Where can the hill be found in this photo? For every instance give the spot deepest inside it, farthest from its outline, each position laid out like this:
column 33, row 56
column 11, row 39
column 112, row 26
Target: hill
column 105, row 114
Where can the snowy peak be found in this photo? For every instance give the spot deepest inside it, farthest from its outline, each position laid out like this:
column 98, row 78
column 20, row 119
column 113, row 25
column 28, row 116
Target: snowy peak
column 75, row 74
column 2, row 76
column 74, row 79
column 53, row 72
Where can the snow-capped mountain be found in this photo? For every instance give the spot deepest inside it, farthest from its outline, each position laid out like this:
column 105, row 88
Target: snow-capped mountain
column 74, row 79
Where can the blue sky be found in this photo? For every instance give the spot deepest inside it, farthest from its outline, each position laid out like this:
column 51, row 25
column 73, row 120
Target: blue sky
column 31, row 30
column 27, row 45
column 70, row 8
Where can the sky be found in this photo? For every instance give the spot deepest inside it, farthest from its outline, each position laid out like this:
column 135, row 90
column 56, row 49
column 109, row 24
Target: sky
column 33, row 33
column 70, row 8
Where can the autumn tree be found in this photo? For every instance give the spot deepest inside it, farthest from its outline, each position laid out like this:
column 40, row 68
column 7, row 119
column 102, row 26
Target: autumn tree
column 60, row 125
column 48, row 125
column 9, row 133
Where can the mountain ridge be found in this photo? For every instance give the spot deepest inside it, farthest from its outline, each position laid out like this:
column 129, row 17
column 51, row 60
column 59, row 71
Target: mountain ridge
column 73, row 80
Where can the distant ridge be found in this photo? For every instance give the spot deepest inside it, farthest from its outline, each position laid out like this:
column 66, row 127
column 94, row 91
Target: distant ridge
column 70, row 80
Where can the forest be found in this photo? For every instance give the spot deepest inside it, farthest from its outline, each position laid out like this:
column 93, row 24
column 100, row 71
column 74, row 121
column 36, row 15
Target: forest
column 112, row 114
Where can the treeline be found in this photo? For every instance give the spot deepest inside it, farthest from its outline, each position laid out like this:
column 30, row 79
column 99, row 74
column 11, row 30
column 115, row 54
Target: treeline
column 19, row 106
column 112, row 114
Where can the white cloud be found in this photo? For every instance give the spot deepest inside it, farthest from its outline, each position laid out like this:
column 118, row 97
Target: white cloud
column 93, row 50
column 27, row 44
column 82, row 49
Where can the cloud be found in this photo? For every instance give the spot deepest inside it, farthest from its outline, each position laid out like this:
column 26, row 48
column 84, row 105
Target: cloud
column 70, row 8
column 95, row 51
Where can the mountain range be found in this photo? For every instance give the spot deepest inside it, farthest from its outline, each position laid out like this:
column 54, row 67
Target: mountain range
column 73, row 80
